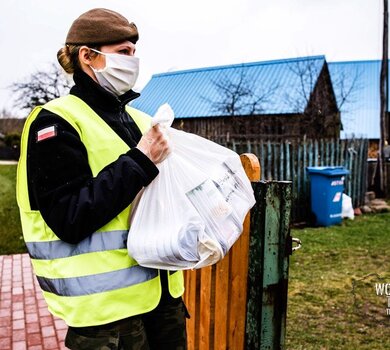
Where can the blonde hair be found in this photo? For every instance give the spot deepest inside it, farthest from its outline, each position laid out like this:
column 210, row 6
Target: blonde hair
column 68, row 58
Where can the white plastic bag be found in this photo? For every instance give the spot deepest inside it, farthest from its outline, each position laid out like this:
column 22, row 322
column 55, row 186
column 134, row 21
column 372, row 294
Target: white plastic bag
column 346, row 207
column 192, row 213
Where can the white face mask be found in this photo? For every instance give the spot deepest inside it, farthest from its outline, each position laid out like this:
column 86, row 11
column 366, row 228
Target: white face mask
column 120, row 73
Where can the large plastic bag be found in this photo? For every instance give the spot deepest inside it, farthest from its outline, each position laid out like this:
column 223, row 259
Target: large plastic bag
column 193, row 212
column 346, row 207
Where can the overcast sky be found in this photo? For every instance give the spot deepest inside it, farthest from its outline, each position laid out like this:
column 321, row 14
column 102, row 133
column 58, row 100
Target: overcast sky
column 182, row 34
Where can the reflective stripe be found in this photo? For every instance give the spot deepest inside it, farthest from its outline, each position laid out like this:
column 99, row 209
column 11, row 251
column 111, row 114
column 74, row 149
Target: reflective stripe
column 99, row 241
column 77, row 286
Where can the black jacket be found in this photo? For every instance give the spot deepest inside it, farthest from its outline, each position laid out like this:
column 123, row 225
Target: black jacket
column 73, row 203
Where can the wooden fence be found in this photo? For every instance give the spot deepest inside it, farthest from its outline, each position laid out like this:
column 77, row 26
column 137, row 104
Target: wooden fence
column 240, row 303
column 288, row 161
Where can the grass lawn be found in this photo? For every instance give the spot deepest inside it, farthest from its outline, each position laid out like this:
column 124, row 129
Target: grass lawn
column 11, row 240
column 332, row 301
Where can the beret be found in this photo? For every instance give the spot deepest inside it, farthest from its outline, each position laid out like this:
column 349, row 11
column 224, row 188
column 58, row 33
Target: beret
column 101, row 26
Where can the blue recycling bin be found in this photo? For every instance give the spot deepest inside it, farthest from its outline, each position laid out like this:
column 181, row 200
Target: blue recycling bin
column 327, row 187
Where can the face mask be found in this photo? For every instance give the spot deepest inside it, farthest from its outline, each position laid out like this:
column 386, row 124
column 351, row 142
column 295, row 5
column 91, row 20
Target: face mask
column 120, row 73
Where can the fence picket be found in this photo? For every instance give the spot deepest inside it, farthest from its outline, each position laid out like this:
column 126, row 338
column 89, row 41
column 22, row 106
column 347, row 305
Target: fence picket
column 269, row 161
column 205, row 306
column 190, row 299
column 315, row 152
column 238, row 292
column 221, row 303
column 287, row 161
column 304, row 145
column 332, row 153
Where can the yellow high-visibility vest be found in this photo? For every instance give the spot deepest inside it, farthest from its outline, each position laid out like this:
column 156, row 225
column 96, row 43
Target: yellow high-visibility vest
column 95, row 281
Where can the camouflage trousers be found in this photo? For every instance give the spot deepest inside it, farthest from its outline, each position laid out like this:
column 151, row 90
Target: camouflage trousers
column 162, row 328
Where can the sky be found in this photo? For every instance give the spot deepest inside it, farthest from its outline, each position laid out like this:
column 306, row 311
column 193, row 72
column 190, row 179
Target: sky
column 185, row 34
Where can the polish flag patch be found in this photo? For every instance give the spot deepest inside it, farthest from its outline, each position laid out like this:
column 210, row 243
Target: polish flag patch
column 46, row 133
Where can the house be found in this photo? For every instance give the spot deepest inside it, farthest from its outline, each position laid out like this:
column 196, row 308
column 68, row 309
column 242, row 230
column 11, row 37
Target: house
column 360, row 114
column 277, row 99
column 11, row 125
column 10, row 131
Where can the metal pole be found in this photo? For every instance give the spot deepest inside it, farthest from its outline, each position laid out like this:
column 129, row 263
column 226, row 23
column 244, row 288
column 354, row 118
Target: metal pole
column 383, row 103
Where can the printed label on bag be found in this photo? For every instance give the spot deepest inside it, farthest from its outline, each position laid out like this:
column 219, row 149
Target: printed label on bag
column 227, row 183
column 209, row 201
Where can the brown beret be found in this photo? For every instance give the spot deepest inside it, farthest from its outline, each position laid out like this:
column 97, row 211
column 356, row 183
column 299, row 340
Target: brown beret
column 101, row 26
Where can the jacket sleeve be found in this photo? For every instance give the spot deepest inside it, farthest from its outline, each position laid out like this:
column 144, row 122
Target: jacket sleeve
column 73, row 203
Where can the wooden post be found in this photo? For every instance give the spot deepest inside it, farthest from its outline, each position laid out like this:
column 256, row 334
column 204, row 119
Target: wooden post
column 239, row 268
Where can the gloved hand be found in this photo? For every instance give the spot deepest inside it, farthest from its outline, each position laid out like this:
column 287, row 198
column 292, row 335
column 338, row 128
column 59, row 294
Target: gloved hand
column 155, row 144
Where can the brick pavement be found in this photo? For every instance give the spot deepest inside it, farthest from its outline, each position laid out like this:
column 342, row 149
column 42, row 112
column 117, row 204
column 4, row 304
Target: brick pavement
column 25, row 322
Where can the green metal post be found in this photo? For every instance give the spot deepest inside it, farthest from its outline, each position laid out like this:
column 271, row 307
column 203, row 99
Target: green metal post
column 270, row 247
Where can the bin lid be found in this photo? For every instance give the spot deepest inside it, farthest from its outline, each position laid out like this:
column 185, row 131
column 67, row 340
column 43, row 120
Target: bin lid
column 327, row 170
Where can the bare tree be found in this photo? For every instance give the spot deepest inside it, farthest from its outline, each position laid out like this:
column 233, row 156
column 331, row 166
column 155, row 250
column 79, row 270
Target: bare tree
column 307, row 72
column 321, row 97
column 239, row 94
column 39, row 88
column 345, row 86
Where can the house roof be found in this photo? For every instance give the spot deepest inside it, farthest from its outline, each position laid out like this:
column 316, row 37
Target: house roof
column 361, row 111
column 191, row 92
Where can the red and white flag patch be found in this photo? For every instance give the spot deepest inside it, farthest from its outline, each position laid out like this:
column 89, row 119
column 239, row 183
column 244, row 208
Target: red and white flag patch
column 46, row 133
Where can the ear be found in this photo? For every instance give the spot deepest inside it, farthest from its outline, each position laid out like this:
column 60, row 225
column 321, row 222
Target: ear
column 84, row 55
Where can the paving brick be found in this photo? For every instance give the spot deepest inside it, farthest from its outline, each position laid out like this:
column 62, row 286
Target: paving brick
column 29, row 293
column 5, row 343
column 36, row 347
column 5, row 331
column 50, row 343
column 18, row 314
column 20, row 345
column 17, row 285
column 18, row 298
column 6, row 279
column 46, row 321
column 61, row 334
column 34, row 339
column 16, row 304
column 27, row 284
column 18, row 335
column 6, row 282
column 38, row 292
column 6, row 296
column 5, row 321
column 30, row 308
column 5, row 289
column 42, row 303
column 43, row 311
column 33, row 327
column 5, row 304
column 60, row 324
column 31, row 317
column 48, row 331
column 18, row 324
column 16, row 278
column 5, row 312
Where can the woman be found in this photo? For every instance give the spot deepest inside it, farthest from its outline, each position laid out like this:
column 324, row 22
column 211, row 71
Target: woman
column 83, row 161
